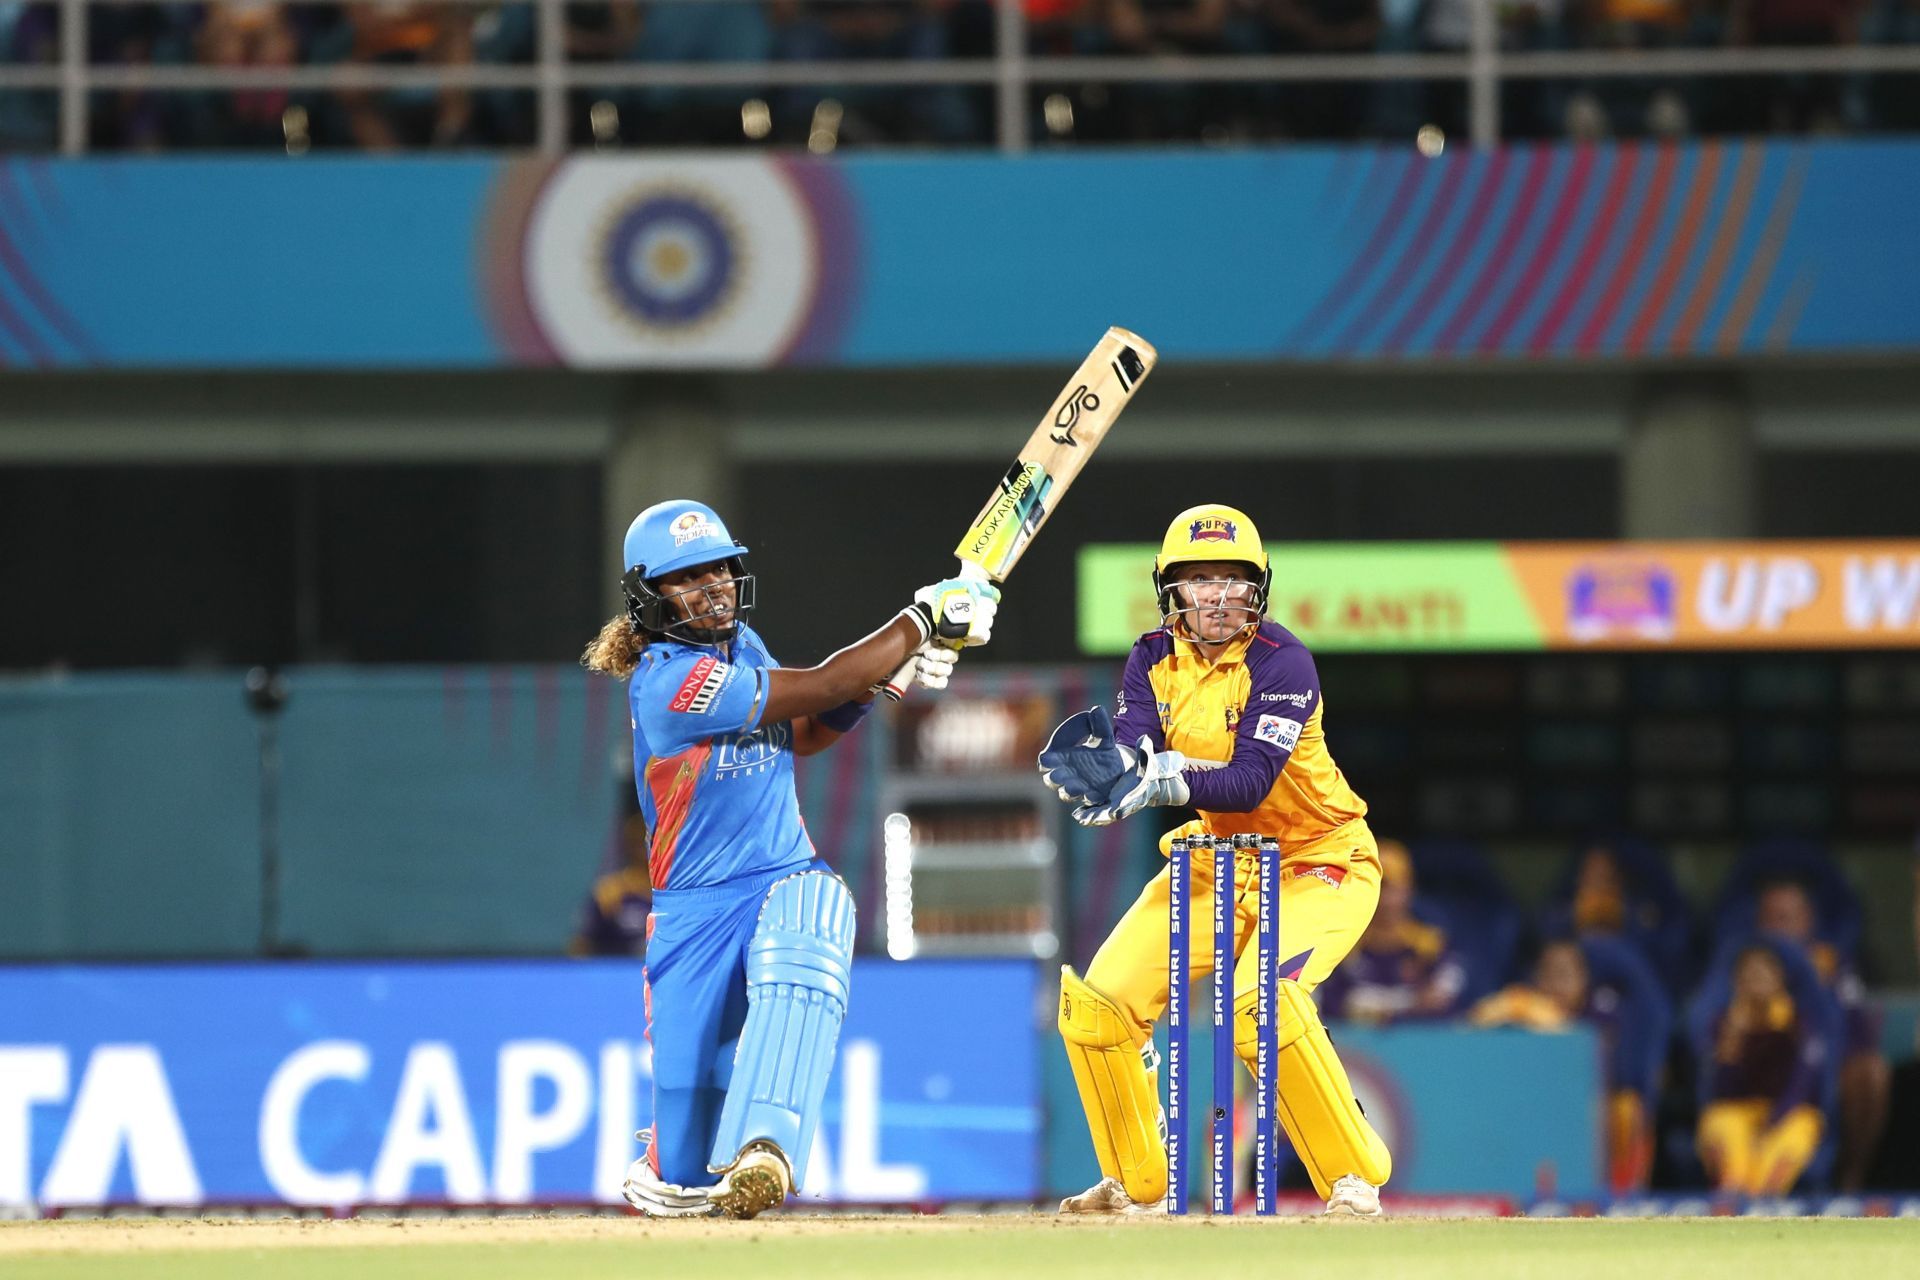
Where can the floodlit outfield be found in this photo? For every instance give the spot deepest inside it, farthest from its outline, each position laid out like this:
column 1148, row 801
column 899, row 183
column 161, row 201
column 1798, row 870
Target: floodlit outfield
column 999, row 1248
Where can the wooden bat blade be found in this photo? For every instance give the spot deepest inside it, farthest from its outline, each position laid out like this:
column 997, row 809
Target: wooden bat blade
column 1059, row 447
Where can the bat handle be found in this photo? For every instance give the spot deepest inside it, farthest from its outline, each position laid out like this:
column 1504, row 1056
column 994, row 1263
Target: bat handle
column 899, row 682
column 896, row 685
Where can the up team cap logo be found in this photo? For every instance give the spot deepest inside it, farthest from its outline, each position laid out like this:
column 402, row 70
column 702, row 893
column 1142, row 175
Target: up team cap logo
column 669, row 260
column 1213, row 529
column 691, row 526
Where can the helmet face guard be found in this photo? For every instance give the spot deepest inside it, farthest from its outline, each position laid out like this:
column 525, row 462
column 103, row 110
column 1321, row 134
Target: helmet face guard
column 653, row 612
column 1166, row 590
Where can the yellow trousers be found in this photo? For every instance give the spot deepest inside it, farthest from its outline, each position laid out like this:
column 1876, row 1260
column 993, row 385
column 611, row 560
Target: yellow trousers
column 1328, row 890
column 1747, row 1152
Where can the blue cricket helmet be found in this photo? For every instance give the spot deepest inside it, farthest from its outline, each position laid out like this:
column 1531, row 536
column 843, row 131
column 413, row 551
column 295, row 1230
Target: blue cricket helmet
column 666, row 538
column 678, row 534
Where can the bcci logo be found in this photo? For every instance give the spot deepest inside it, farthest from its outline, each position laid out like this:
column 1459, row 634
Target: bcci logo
column 670, row 260
column 1213, row 529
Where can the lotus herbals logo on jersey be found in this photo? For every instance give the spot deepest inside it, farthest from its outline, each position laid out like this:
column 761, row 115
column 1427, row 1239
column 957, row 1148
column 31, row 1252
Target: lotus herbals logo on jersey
column 755, row 752
column 1213, row 529
column 702, row 685
column 691, row 527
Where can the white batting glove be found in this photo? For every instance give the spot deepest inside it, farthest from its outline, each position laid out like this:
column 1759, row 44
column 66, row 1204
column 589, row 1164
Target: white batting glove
column 957, row 610
column 933, row 663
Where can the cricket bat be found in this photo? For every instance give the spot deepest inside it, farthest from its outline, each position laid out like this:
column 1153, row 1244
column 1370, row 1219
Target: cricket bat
column 1059, row 447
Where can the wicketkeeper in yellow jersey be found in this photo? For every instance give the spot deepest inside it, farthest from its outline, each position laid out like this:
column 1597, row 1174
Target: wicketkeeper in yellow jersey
column 1218, row 682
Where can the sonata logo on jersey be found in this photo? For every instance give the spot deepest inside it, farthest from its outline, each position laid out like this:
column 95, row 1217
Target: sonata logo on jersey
column 691, row 527
column 1213, row 529
column 702, row 685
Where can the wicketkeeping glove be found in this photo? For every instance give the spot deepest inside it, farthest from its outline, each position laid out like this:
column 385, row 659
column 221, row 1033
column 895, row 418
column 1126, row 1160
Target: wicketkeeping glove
column 1081, row 761
column 1154, row 779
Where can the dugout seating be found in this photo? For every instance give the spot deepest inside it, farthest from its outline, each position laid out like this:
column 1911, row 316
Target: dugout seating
column 1462, row 893
column 1659, row 921
column 1789, row 858
column 1815, row 1004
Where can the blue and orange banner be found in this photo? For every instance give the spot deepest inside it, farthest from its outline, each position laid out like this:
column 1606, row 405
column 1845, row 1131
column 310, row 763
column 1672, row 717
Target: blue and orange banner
column 1635, row 250
column 1518, row 596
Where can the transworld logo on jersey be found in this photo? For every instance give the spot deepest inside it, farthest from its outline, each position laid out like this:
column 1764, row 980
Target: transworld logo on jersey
column 748, row 753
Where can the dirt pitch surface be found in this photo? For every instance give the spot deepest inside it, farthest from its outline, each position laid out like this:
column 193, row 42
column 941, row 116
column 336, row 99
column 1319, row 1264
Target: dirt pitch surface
column 998, row 1247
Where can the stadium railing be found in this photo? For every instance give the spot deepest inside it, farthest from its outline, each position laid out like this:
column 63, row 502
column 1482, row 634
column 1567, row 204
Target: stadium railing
column 1012, row 72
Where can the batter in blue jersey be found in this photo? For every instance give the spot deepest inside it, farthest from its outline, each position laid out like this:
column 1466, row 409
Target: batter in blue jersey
column 750, row 944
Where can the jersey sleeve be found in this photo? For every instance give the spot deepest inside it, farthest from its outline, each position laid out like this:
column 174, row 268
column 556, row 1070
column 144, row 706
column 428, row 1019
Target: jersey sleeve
column 1283, row 694
column 1136, row 711
column 691, row 697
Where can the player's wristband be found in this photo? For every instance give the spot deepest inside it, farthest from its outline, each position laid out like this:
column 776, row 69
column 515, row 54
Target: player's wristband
column 922, row 614
column 845, row 717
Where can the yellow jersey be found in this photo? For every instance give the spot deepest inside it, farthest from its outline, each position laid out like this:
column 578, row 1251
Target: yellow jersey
column 1257, row 708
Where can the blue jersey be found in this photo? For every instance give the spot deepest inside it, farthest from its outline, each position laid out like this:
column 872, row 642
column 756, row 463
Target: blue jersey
column 715, row 784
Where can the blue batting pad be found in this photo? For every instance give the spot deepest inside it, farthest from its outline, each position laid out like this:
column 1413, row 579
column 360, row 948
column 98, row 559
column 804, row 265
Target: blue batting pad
column 798, row 969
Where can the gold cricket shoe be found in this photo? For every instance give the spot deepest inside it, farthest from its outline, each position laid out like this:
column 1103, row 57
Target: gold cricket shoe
column 1106, row 1196
column 758, row 1179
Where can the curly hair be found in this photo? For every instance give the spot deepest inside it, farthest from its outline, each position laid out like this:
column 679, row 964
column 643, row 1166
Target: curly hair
column 616, row 650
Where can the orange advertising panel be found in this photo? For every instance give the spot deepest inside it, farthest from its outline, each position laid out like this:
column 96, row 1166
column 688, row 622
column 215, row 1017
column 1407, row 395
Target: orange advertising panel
column 1712, row 595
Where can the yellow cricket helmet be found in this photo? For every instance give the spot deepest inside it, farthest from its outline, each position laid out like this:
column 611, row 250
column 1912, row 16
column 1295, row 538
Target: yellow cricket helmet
column 1211, row 531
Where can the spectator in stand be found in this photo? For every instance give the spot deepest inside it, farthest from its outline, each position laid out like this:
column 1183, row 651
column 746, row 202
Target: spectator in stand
column 1447, row 27
column 1157, row 112
column 1764, row 1122
column 860, row 30
column 29, row 35
column 1402, row 968
column 402, row 34
column 1785, row 911
column 1625, row 890
column 1631, row 105
column 1632, row 1020
column 1322, row 108
column 243, row 34
column 613, row 919
column 1798, row 102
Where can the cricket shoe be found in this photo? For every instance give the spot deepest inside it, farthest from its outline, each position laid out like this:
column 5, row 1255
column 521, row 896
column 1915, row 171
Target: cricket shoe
column 1106, row 1196
column 646, row 1191
column 758, row 1179
column 1354, row 1197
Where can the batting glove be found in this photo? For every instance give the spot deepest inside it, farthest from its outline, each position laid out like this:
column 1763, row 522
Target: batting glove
column 1154, row 780
column 933, row 664
column 957, row 610
column 1081, row 761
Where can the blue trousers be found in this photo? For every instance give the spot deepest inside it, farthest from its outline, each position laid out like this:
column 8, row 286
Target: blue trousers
column 696, row 1004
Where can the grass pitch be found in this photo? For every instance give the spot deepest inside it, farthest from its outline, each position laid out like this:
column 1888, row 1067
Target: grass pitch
column 998, row 1247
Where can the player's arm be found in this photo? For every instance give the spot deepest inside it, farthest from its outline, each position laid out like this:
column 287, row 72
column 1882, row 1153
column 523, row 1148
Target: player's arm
column 1283, row 694
column 1282, row 678
column 957, row 611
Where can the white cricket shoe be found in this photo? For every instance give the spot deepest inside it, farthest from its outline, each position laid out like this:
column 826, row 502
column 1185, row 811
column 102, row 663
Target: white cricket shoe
column 647, row 1192
column 1107, row 1196
column 1353, row 1196
column 758, row 1179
